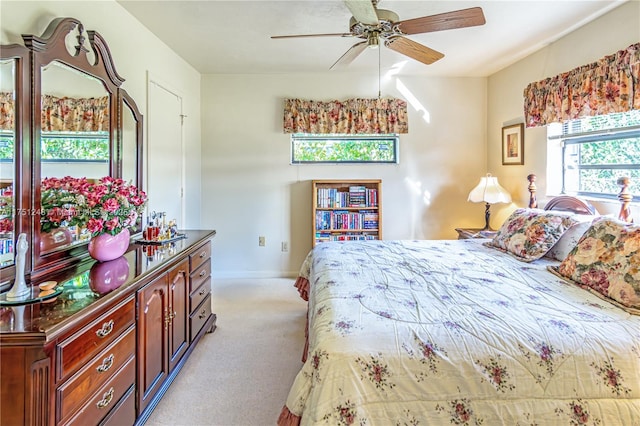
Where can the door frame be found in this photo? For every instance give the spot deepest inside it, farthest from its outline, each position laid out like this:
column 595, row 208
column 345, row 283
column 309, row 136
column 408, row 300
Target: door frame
column 152, row 79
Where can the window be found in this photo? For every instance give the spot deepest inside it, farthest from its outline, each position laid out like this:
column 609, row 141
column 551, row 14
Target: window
column 6, row 145
column 86, row 146
column 596, row 151
column 310, row 148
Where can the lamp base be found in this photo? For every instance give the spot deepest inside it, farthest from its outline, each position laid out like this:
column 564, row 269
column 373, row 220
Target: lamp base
column 487, row 217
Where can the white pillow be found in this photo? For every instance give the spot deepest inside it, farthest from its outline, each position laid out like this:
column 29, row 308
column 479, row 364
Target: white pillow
column 570, row 238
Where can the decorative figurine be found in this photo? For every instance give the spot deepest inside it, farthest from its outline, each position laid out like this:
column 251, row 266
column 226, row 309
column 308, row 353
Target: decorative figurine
column 20, row 290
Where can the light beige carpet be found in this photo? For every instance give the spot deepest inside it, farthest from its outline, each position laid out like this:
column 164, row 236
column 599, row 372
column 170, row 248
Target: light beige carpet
column 241, row 374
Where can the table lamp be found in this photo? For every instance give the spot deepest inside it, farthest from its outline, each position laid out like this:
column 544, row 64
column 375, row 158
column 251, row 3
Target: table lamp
column 490, row 192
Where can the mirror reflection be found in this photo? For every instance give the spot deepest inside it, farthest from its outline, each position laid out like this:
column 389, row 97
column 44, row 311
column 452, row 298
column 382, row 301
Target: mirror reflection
column 74, row 146
column 7, row 165
column 129, row 155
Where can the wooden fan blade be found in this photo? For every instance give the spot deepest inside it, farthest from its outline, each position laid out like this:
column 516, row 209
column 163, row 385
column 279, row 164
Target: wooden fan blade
column 349, row 55
column 314, row 35
column 413, row 50
column 363, row 11
column 444, row 21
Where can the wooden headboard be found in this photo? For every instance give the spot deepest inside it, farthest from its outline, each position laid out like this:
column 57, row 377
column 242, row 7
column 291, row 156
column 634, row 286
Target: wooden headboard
column 577, row 205
column 570, row 204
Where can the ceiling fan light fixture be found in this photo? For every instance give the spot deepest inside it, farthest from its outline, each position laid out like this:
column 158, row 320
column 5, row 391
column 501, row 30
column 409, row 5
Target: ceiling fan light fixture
column 372, row 41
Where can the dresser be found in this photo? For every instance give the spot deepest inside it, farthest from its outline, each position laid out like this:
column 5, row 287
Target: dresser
column 105, row 350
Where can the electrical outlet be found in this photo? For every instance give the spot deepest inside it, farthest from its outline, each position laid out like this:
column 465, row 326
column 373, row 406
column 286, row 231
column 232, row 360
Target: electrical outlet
column 285, row 246
column 261, row 241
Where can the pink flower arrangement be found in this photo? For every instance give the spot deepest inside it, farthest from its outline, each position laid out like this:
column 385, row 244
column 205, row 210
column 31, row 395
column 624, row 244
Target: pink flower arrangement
column 6, row 209
column 59, row 200
column 108, row 206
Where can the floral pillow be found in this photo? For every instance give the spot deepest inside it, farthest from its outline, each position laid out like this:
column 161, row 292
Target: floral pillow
column 607, row 261
column 528, row 234
column 570, row 238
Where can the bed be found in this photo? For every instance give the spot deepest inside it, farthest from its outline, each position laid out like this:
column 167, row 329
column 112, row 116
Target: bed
column 471, row 332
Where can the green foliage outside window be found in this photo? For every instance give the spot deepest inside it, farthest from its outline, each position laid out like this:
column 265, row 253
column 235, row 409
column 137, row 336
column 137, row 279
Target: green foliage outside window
column 595, row 158
column 93, row 148
column 344, row 149
column 6, row 147
column 59, row 148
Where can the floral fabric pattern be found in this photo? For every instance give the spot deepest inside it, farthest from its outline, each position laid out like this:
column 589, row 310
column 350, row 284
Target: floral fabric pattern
column 607, row 260
column 603, row 87
column 570, row 238
column 353, row 116
column 453, row 332
column 7, row 111
column 62, row 114
column 75, row 114
column 528, row 234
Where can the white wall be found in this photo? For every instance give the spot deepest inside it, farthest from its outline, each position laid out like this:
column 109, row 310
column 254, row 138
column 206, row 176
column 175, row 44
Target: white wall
column 250, row 189
column 246, row 186
column 612, row 32
column 135, row 51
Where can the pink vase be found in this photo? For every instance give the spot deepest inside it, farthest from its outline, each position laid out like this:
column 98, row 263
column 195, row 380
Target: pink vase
column 105, row 247
column 105, row 277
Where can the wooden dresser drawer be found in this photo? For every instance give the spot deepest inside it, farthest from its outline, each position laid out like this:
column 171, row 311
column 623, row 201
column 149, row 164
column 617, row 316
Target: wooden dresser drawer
column 107, row 397
column 199, row 295
column 92, row 376
column 124, row 413
column 200, row 255
column 199, row 275
column 84, row 345
column 199, row 317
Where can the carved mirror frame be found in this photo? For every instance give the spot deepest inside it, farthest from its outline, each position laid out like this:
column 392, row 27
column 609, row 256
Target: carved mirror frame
column 91, row 58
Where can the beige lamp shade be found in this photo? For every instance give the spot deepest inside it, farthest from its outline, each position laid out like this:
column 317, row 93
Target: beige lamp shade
column 489, row 191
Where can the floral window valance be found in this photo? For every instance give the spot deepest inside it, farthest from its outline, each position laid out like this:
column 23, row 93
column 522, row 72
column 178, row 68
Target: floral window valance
column 62, row 114
column 352, row 116
column 609, row 85
column 75, row 115
column 7, row 111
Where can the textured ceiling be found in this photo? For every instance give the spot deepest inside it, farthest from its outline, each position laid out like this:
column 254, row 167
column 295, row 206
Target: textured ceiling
column 226, row 37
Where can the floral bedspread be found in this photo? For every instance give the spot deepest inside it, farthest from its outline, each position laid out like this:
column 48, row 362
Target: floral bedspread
column 452, row 332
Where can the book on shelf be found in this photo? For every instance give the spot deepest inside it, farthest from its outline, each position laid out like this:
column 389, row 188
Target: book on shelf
column 327, row 236
column 344, row 219
column 357, row 196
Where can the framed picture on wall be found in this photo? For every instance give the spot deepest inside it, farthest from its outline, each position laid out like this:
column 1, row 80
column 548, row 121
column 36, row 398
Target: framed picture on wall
column 513, row 144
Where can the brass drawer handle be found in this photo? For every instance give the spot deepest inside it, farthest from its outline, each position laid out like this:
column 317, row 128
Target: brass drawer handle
column 106, row 399
column 202, row 273
column 203, row 254
column 106, row 364
column 203, row 314
column 106, row 329
column 202, row 292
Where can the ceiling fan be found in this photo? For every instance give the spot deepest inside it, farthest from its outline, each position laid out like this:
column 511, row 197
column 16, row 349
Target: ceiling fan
column 372, row 25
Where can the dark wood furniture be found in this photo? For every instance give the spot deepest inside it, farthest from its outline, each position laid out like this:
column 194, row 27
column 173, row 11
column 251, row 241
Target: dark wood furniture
column 106, row 349
column 467, row 233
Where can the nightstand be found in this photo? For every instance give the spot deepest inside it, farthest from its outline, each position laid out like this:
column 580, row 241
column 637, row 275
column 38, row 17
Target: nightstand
column 466, row 233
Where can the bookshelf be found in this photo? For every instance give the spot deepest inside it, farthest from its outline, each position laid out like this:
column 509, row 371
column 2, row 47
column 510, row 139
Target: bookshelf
column 346, row 210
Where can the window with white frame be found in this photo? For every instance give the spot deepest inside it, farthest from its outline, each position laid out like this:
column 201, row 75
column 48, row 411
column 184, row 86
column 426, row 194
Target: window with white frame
column 316, row 148
column 588, row 155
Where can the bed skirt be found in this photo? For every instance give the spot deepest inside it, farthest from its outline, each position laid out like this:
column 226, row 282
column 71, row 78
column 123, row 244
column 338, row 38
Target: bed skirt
column 287, row 418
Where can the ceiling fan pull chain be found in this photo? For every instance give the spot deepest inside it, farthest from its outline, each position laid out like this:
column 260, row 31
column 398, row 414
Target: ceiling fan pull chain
column 379, row 84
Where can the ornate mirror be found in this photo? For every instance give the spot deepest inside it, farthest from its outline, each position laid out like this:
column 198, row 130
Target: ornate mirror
column 7, row 160
column 85, row 128
column 14, row 122
column 131, row 155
